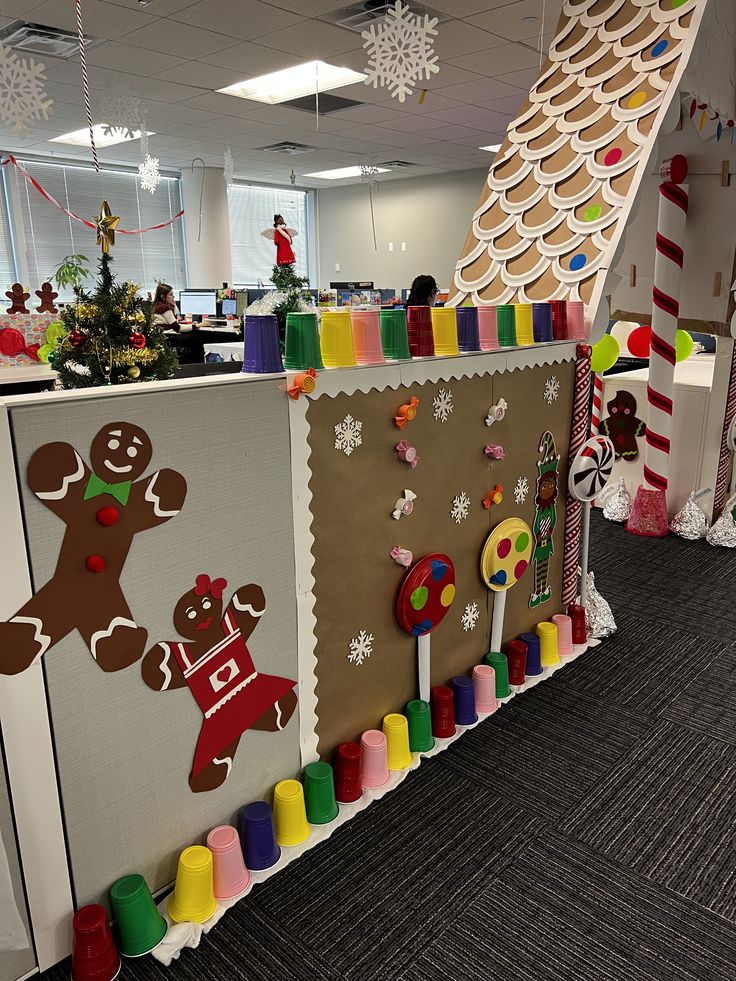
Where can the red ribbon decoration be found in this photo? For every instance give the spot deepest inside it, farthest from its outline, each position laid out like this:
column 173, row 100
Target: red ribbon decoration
column 205, row 585
column 13, row 343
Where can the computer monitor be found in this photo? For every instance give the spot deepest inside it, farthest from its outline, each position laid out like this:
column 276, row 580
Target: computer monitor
column 201, row 303
column 229, row 308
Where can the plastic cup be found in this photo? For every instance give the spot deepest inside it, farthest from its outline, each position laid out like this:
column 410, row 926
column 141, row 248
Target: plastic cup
column 302, row 342
column 367, row 337
column 193, row 899
column 444, row 330
column 442, row 706
column 548, row 643
column 487, row 328
column 579, row 626
column 262, row 345
column 500, row 665
column 140, row 926
column 373, row 762
column 347, row 773
column 94, row 955
column 464, row 698
column 559, row 319
column 336, row 339
column 394, row 336
column 516, row 656
column 576, row 320
column 467, row 329
column 484, row 683
column 230, row 876
column 533, row 666
column 542, row 320
column 319, row 792
column 419, row 717
column 564, row 634
column 524, row 324
column 290, row 813
column 419, row 331
column 396, row 730
column 506, row 324
column 258, row 837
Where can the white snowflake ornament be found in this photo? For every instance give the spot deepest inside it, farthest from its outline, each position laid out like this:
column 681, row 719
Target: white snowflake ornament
column 360, row 648
column 460, row 507
column 469, row 619
column 22, row 93
column 521, row 490
column 348, row 435
column 149, row 174
column 228, row 166
column 400, row 50
column 443, row 406
column 551, row 389
column 121, row 111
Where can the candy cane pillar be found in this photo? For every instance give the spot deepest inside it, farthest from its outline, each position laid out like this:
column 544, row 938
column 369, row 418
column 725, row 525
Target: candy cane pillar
column 595, row 416
column 573, row 508
column 719, row 498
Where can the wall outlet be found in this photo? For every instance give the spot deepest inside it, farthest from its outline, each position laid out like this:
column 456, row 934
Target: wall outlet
column 337, row 267
column 390, row 246
column 403, row 246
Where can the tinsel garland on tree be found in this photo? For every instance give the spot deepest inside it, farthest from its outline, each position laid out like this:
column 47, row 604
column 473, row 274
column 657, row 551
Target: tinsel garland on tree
column 290, row 295
column 110, row 337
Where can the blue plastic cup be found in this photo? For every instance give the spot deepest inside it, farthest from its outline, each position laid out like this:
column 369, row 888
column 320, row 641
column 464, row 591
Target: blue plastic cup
column 257, row 836
column 542, row 319
column 262, row 347
column 467, row 329
column 533, row 655
column 464, row 700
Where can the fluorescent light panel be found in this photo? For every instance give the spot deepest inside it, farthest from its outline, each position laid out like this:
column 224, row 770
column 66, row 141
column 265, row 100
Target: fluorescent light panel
column 343, row 172
column 80, row 137
column 292, row 83
column 493, row 148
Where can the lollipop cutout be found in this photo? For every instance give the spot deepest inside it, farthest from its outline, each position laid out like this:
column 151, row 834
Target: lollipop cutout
column 590, row 471
column 424, row 598
column 504, row 560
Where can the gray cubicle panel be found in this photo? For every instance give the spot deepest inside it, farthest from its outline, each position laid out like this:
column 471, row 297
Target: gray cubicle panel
column 17, row 963
column 125, row 751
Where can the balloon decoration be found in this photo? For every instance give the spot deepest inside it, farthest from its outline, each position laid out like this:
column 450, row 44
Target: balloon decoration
column 640, row 340
column 605, row 354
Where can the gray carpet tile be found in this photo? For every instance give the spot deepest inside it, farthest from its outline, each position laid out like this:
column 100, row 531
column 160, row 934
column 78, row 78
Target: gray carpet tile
column 668, row 811
column 549, row 746
column 562, row 912
column 708, row 704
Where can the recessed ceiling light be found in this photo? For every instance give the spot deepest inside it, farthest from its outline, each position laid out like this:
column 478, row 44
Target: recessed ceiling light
column 80, row 137
column 493, row 148
column 341, row 172
column 292, row 83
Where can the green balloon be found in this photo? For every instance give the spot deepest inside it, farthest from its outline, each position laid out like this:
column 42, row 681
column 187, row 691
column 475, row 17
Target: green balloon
column 55, row 331
column 683, row 345
column 605, row 354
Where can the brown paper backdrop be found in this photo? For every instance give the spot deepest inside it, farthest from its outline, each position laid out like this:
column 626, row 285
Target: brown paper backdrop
column 353, row 497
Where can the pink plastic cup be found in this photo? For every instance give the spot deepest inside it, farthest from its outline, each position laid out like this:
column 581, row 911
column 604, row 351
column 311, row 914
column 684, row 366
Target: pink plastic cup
column 230, row 875
column 373, row 761
column 487, row 328
column 367, row 337
column 576, row 320
column 564, row 634
column 484, row 683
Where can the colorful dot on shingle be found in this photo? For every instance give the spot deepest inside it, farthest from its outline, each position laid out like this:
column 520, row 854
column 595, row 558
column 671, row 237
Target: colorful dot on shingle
column 637, row 100
column 447, row 595
column 592, row 213
column 613, row 156
column 578, row 261
column 676, row 4
column 659, row 48
column 418, row 598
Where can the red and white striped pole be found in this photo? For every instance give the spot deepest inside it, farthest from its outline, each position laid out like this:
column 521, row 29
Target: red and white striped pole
column 85, row 84
column 573, row 508
column 721, row 488
column 595, row 416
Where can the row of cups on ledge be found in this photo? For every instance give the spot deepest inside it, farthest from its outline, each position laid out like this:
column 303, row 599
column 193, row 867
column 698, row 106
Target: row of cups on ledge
column 369, row 337
column 221, row 869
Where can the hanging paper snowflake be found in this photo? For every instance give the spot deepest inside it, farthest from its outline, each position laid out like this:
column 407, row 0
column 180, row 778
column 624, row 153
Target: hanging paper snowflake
column 521, row 490
column 149, row 174
column 228, row 166
column 292, row 178
column 460, row 507
column 22, row 93
column 144, row 140
column 121, row 111
column 348, row 435
column 443, row 406
column 361, row 648
column 400, row 50
column 551, row 390
column 470, row 616
column 368, row 172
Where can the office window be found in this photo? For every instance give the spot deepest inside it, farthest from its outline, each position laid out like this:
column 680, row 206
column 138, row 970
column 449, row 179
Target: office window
column 8, row 274
column 50, row 235
column 251, row 211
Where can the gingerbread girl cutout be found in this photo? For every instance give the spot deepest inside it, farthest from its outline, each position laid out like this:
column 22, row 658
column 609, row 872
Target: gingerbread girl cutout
column 215, row 663
column 622, row 426
column 103, row 508
column 17, row 296
column 47, row 296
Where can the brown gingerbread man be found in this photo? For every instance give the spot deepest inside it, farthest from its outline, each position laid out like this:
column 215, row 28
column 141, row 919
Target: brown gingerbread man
column 47, row 296
column 215, row 663
column 622, row 426
column 17, row 296
column 103, row 508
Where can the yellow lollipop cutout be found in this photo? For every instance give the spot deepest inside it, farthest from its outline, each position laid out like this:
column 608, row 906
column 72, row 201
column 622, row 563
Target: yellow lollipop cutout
column 504, row 560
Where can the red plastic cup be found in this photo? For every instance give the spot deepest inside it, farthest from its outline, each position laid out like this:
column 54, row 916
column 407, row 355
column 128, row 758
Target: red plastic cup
column 230, row 876
column 564, row 634
column 516, row 656
column 484, row 683
column 348, row 787
column 579, row 626
column 576, row 320
column 94, row 954
column 373, row 760
column 419, row 328
column 487, row 328
column 442, row 705
column 559, row 319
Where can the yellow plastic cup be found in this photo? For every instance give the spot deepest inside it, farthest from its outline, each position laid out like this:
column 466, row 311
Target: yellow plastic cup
column 524, row 324
column 547, row 633
column 444, row 331
column 336, row 339
column 193, row 899
column 396, row 730
column 290, row 812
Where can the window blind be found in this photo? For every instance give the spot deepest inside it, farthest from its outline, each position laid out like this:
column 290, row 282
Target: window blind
column 8, row 274
column 251, row 211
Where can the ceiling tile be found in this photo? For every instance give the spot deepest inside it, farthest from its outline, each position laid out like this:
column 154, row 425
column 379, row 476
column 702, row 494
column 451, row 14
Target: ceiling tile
column 480, row 91
column 237, row 19
column 201, row 76
column 163, row 7
column 508, row 106
column 411, row 124
column 466, row 8
column 508, row 57
column 99, row 19
column 310, row 39
column 250, row 60
column 453, row 131
column 456, row 38
column 183, row 39
column 312, row 8
column 472, row 116
column 521, row 80
column 129, row 59
column 369, row 114
column 513, row 21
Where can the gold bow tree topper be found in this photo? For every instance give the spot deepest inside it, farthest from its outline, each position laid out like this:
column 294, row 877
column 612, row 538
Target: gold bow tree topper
column 105, row 224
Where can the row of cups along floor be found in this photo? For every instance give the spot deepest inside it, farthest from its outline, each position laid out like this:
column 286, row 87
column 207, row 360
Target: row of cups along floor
column 220, row 870
column 369, row 337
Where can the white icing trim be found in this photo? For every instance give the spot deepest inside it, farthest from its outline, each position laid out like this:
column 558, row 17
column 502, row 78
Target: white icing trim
column 43, row 640
column 227, row 761
column 246, row 607
column 154, row 499
column 277, row 706
column 164, row 667
column 210, row 712
column 108, row 632
column 57, row 495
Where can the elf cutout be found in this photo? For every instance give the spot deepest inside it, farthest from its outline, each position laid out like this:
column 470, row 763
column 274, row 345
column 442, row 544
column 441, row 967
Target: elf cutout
column 545, row 519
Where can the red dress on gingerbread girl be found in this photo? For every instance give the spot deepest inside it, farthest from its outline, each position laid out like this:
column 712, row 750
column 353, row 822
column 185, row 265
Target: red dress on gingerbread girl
column 214, row 662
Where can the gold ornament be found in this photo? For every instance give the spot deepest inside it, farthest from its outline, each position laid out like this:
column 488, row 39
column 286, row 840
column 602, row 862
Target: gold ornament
column 106, row 223
column 134, row 372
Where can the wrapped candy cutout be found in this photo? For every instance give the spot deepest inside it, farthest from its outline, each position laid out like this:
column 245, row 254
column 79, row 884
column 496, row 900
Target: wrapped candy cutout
column 494, row 496
column 401, row 556
column 405, row 504
column 494, row 451
column 497, row 412
column 407, row 413
column 407, row 453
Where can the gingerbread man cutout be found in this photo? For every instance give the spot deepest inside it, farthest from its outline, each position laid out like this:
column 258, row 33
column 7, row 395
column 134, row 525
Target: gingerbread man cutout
column 216, row 665
column 47, row 296
column 622, row 426
column 103, row 508
column 17, row 297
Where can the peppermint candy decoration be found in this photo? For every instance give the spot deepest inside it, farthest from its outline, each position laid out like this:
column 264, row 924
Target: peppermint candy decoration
column 591, row 468
column 730, row 438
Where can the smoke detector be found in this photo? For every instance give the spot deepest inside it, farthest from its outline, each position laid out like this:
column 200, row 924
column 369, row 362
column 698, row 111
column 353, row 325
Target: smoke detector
column 288, row 148
column 46, row 42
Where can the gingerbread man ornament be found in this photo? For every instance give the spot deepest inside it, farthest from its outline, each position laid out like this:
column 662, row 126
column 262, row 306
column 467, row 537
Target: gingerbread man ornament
column 103, row 507
column 622, row 426
column 47, row 296
column 17, row 296
column 214, row 662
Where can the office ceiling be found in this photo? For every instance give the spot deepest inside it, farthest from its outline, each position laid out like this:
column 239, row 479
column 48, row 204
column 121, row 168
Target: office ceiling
column 173, row 54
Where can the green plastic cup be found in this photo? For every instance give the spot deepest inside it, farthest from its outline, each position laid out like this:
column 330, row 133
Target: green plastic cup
column 394, row 336
column 140, row 925
column 302, row 342
column 506, row 320
column 500, row 665
column 420, row 726
column 319, row 793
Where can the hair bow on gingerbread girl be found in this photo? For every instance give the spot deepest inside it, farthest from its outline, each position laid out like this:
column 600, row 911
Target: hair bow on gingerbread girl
column 206, row 586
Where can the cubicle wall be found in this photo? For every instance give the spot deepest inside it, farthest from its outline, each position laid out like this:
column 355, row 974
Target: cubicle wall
column 19, row 961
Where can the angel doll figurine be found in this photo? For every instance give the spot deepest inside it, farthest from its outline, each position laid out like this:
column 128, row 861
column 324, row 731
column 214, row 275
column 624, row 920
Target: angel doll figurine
column 282, row 239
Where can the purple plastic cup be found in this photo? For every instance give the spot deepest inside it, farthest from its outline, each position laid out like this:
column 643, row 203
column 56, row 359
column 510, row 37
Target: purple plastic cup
column 564, row 634
column 257, row 836
column 262, row 348
column 467, row 329
column 542, row 320
column 464, row 699
column 533, row 665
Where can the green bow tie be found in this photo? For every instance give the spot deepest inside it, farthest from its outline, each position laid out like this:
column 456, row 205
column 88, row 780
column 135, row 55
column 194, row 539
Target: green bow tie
column 96, row 487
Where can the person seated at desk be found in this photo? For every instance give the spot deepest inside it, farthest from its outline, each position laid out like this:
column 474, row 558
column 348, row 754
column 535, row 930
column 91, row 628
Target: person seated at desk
column 423, row 292
column 189, row 348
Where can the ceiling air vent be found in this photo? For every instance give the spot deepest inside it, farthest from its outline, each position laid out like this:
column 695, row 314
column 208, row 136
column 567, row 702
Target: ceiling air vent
column 47, row 42
column 397, row 164
column 359, row 16
column 287, row 148
column 328, row 103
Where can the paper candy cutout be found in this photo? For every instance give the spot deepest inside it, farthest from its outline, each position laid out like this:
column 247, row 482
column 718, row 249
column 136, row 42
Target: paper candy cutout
column 407, row 413
column 405, row 504
column 407, row 453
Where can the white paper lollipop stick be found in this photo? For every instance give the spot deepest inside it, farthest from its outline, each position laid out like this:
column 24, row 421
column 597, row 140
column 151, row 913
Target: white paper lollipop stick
column 584, row 544
column 499, row 610
column 424, row 664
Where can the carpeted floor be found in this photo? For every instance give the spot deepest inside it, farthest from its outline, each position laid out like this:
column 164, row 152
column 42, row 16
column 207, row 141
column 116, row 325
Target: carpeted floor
column 585, row 833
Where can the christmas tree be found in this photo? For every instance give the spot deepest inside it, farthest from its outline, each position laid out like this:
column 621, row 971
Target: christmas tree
column 290, row 295
column 109, row 337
